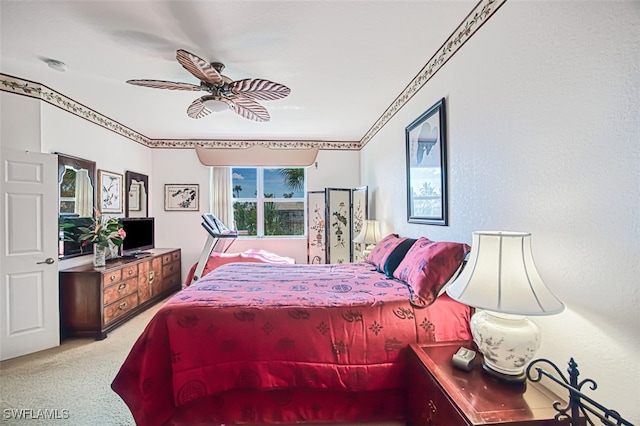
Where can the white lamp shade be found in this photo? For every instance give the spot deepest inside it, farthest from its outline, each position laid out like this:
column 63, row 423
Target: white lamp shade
column 370, row 233
column 501, row 276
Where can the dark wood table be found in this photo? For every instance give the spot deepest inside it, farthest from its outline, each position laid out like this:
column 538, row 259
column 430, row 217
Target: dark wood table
column 440, row 394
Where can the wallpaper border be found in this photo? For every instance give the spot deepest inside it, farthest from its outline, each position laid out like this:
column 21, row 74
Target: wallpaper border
column 474, row 20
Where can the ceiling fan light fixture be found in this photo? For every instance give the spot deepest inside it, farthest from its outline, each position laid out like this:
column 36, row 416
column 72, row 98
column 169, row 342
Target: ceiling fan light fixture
column 216, row 104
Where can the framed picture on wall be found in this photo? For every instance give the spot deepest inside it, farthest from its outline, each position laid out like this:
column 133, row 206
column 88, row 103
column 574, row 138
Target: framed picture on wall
column 134, row 197
column 181, row 197
column 111, row 191
column 427, row 167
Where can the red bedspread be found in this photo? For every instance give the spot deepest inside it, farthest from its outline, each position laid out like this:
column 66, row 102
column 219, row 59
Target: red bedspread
column 245, row 342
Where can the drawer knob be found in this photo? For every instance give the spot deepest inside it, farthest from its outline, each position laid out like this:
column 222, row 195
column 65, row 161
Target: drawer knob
column 122, row 306
column 130, row 271
column 121, row 287
column 152, row 275
column 112, row 277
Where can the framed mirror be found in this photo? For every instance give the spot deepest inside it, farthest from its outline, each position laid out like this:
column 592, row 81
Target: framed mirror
column 136, row 188
column 76, row 203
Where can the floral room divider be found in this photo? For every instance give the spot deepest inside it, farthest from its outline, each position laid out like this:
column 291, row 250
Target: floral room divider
column 335, row 217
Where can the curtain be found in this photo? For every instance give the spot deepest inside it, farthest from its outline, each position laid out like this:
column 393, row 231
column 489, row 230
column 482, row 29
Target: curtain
column 221, row 196
column 84, row 194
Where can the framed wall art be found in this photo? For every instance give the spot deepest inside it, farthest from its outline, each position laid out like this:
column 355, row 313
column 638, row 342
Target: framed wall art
column 181, row 197
column 134, row 197
column 427, row 167
column 111, row 191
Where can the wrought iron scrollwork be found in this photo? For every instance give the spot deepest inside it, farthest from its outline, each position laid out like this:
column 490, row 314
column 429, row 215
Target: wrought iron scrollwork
column 580, row 408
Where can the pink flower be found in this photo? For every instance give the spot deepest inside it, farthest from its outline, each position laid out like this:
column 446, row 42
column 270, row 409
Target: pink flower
column 122, row 233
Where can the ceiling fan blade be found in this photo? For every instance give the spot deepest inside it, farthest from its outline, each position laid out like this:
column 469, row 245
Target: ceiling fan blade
column 160, row 84
column 199, row 67
column 249, row 109
column 197, row 109
column 259, row 89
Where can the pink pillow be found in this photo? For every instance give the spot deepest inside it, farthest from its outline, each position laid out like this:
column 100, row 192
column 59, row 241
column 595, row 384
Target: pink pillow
column 428, row 266
column 379, row 254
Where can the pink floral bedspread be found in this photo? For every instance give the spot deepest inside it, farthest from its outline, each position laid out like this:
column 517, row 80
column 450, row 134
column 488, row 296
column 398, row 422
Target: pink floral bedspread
column 261, row 327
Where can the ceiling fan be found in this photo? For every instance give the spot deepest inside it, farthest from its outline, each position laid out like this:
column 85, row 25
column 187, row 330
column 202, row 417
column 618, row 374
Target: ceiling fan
column 240, row 96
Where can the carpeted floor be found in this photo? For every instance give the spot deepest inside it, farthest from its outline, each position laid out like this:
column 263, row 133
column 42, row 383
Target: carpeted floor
column 70, row 385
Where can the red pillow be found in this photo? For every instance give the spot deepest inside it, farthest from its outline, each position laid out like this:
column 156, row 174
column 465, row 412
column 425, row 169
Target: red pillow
column 428, row 266
column 380, row 252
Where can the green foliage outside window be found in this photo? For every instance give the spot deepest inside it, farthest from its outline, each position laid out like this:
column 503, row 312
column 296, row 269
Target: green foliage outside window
column 282, row 216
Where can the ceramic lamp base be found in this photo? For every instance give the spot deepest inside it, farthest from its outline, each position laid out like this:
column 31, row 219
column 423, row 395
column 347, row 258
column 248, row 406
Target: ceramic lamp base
column 508, row 343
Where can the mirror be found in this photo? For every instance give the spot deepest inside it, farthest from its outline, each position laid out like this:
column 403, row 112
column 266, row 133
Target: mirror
column 76, row 203
column 136, row 187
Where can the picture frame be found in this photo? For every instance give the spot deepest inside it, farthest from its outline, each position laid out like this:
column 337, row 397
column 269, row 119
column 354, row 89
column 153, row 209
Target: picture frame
column 134, row 197
column 426, row 160
column 111, row 191
column 181, row 197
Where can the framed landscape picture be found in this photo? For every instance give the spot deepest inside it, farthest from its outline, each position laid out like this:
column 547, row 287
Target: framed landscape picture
column 181, row 197
column 111, row 191
column 427, row 167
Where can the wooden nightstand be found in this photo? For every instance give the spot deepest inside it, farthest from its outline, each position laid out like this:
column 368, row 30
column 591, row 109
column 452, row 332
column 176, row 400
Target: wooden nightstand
column 439, row 394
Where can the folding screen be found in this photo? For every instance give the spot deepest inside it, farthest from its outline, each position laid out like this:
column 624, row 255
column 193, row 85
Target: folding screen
column 335, row 217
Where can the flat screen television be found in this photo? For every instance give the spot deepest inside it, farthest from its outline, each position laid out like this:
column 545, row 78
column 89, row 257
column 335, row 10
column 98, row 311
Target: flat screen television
column 140, row 234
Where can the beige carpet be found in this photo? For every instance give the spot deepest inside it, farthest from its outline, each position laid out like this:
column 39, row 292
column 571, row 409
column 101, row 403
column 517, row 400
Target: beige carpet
column 71, row 384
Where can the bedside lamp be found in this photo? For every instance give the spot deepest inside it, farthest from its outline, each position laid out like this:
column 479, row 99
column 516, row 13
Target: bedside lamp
column 369, row 235
column 501, row 279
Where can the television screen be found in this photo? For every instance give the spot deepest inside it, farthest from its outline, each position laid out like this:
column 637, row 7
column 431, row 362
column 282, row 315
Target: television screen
column 140, row 234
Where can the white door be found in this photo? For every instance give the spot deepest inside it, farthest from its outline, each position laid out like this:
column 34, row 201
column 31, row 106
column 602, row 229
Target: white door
column 29, row 313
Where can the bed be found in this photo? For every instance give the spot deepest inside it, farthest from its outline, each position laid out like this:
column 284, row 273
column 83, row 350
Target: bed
column 254, row 343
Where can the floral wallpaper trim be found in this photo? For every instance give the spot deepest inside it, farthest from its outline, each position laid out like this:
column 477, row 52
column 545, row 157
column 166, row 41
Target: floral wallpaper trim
column 37, row 90
column 207, row 143
column 478, row 16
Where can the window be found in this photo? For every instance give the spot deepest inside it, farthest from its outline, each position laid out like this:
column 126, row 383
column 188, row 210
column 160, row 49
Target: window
column 269, row 201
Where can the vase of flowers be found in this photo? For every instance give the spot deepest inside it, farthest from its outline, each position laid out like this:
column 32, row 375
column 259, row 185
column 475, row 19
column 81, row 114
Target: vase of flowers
column 103, row 234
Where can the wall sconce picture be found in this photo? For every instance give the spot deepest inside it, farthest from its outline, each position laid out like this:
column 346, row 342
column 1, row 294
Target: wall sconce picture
column 427, row 167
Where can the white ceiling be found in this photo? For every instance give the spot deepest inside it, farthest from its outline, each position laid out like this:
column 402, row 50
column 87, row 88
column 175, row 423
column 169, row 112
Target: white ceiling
column 344, row 61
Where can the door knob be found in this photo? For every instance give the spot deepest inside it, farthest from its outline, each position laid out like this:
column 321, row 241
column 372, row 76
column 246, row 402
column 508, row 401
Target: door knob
column 49, row 261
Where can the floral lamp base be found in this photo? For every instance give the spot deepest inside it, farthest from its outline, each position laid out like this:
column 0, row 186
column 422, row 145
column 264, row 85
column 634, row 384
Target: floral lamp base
column 508, row 343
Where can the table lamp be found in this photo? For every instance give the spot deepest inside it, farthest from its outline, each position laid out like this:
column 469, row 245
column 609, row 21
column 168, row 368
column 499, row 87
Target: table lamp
column 369, row 235
column 500, row 279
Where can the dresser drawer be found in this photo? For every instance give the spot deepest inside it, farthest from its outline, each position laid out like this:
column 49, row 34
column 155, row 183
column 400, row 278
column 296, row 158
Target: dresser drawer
column 118, row 290
column 111, row 278
column 116, row 275
column 172, row 281
column 120, row 307
column 170, row 269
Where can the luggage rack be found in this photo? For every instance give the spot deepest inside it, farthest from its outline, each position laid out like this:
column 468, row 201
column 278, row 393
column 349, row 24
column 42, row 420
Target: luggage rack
column 218, row 235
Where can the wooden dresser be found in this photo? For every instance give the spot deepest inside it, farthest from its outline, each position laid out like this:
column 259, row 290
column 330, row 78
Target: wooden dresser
column 93, row 301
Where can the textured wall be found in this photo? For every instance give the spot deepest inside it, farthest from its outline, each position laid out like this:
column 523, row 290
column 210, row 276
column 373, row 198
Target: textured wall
column 542, row 108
